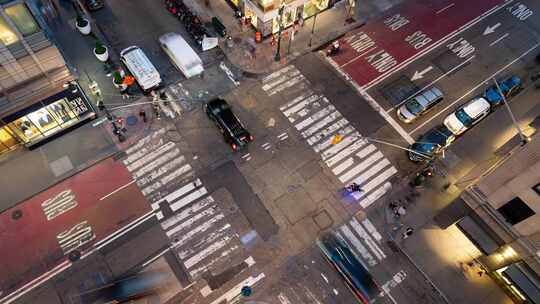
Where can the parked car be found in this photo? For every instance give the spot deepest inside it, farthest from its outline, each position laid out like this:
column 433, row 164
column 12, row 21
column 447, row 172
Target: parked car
column 230, row 126
column 94, row 5
column 509, row 87
column 141, row 67
column 181, row 54
column 431, row 143
column 420, row 104
column 467, row 115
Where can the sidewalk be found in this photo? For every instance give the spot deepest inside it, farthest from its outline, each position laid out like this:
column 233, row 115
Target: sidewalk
column 443, row 255
column 329, row 25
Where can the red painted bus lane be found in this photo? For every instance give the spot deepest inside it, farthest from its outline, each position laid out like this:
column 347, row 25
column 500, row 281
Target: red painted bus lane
column 72, row 215
column 382, row 45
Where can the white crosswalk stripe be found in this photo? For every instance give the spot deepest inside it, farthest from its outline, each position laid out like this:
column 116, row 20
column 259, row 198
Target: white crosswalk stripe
column 350, row 156
column 363, row 241
column 200, row 232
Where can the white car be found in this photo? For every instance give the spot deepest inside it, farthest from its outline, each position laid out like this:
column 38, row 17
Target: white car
column 467, row 115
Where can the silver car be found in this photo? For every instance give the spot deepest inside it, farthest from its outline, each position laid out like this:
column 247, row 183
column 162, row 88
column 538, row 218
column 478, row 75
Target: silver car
column 419, row 104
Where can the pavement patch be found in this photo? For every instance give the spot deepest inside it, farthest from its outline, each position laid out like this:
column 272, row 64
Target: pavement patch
column 61, row 166
column 296, row 205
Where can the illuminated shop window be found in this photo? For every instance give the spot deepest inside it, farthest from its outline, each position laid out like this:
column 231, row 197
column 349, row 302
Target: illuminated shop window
column 6, row 139
column 7, row 35
column 23, row 19
column 25, row 129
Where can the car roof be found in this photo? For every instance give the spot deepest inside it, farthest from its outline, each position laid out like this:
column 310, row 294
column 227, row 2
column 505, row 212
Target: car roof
column 476, row 106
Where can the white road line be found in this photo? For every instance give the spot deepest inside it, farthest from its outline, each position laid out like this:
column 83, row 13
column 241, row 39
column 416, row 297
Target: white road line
column 144, row 141
column 328, row 142
column 245, row 155
column 498, row 40
column 346, row 152
column 315, row 117
column 308, row 108
column 293, row 81
column 372, row 230
column 328, row 130
column 349, row 162
column 149, row 156
column 435, row 45
column 184, row 201
column 444, row 8
column 364, row 253
column 375, row 195
column 159, row 216
column 183, row 190
column 195, row 272
column 363, row 165
column 190, row 221
column 431, row 83
column 284, row 138
column 341, row 145
column 294, row 101
column 192, row 210
column 235, row 291
column 283, row 299
column 201, row 255
column 116, row 190
column 282, row 135
column 367, row 239
column 142, row 152
column 320, row 124
column 180, row 240
column 155, row 163
column 266, row 87
column 277, row 73
column 184, row 170
column 152, row 175
column 266, row 146
column 362, row 178
column 192, row 249
column 481, row 83
column 324, row 277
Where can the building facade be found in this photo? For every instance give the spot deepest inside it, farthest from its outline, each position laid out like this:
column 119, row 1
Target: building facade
column 500, row 215
column 38, row 95
column 263, row 14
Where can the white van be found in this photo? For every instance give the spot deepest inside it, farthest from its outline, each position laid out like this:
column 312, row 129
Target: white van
column 140, row 66
column 181, row 54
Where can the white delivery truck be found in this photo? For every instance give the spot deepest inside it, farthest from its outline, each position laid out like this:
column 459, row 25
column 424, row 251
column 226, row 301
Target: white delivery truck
column 181, row 54
column 141, row 67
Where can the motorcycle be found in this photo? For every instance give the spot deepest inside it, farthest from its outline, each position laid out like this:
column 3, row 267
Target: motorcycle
column 334, row 49
column 352, row 188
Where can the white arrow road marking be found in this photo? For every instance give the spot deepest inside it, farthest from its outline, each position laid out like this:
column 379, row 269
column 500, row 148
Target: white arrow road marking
column 500, row 38
column 491, row 29
column 417, row 75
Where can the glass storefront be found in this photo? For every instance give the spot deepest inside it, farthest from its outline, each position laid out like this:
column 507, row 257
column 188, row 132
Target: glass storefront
column 289, row 15
column 251, row 16
column 312, row 7
column 22, row 18
column 7, row 140
column 46, row 118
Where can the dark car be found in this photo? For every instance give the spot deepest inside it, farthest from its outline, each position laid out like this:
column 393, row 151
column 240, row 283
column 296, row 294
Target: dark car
column 231, row 127
column 431, row 144
column 509, row 87
column 94, row 5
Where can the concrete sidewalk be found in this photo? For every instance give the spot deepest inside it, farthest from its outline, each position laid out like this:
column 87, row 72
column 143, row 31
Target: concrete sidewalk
column 258, row 58
column 443, row 255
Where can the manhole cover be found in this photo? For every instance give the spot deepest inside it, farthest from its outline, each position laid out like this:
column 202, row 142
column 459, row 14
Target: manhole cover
column 131, row 120
column 17, row 214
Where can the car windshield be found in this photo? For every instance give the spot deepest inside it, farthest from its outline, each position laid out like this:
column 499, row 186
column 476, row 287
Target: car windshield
column 413, row 106
column 465, row 119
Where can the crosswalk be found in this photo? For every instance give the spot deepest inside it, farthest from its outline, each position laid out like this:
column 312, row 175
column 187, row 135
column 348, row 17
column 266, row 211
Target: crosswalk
column 364, row 239
column 200, row 234
column 350, row 156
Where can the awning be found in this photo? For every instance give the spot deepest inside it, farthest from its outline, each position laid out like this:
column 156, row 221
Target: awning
column 525, row 280
column 481, row 239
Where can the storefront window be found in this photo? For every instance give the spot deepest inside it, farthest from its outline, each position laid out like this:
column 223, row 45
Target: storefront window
column 7, row 35
column 25, row 129
column 62, row 112
column 288, row 18
column 313, row 7
column 252, row 18
column 7, row 141
column 23, row 19
column 43, row 120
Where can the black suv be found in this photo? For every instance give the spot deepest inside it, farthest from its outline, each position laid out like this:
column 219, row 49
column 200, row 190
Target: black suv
column 231, row 127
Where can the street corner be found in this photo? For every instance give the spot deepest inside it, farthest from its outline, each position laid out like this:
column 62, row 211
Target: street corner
column 74, row 216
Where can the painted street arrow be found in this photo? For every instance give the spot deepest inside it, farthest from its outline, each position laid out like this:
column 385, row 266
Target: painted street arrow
column 491, row 29
column 417, row 75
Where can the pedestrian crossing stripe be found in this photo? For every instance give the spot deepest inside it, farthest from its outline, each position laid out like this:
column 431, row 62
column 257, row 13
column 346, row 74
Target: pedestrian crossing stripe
column 199, row 232
column 364, row 239
column 349, row 155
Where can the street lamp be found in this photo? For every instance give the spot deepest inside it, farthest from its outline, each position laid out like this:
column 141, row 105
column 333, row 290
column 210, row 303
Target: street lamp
column 280, row 21
column 524, row 139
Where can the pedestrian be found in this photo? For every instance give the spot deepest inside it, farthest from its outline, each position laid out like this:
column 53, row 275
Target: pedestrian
column 399, row 211
column 408, row 232
column 124, row 91
column 142, row 114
